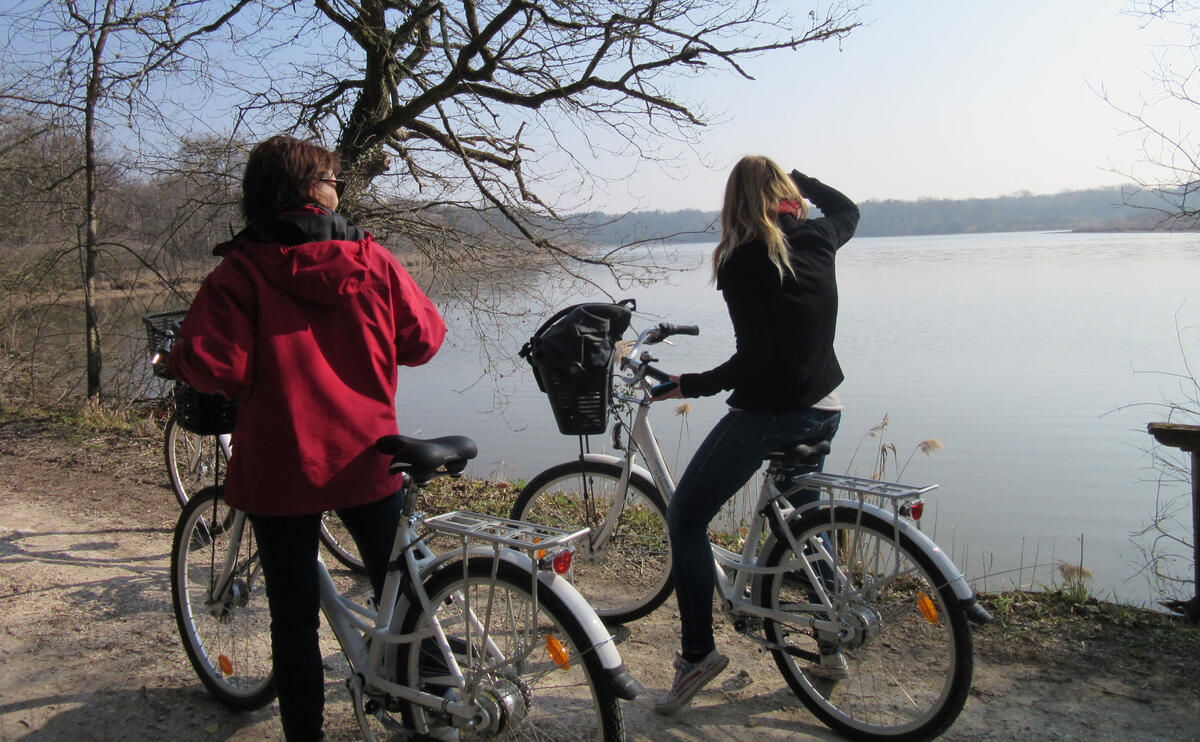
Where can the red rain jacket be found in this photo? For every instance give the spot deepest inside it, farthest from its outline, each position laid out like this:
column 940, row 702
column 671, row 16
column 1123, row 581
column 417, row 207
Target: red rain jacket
column 307, row 338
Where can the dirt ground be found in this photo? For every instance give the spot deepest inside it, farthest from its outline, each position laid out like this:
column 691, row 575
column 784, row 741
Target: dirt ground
column 89, row 649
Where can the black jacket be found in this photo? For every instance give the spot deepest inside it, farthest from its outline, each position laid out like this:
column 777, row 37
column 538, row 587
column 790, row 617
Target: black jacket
column 784, row 361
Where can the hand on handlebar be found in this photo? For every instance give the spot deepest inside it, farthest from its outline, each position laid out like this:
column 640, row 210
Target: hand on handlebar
column 666, row 390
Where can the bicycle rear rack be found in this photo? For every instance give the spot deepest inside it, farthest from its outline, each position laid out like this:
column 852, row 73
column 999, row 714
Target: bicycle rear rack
column 863, row 487
column 514, row 534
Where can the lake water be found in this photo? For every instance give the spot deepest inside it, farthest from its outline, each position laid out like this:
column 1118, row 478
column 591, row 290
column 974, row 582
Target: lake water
column 1022, row 353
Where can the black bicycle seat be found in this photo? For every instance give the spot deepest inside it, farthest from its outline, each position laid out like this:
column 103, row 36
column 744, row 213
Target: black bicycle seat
column 800, row 454
column 425, row 459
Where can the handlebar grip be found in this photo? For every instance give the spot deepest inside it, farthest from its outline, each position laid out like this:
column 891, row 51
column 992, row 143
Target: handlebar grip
column 663, row 388
column 657, row 375
column 669, row 329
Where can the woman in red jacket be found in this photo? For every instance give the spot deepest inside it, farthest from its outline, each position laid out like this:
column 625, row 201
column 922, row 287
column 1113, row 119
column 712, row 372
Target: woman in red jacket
column 304, row 322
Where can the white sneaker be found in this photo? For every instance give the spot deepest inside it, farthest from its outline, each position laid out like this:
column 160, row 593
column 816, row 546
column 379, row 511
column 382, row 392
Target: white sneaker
column 689, row 679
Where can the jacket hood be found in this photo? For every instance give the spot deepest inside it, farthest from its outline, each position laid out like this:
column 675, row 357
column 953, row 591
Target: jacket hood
column 310, row 253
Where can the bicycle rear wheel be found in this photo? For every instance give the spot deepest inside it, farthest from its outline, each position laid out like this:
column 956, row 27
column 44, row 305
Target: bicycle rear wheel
column 625, row 574
column 530, row 693
column 905, row 640
column 191, row 459
column 227, row 636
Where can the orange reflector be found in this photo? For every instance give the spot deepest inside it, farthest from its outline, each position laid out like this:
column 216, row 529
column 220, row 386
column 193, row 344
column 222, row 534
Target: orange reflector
column 927, row 608
column 557, row 652
column 225, row 664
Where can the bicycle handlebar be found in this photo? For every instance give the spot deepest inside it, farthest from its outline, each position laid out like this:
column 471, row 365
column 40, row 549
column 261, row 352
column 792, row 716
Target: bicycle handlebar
column 667, row 329
column 639, row 361
column 656, row 374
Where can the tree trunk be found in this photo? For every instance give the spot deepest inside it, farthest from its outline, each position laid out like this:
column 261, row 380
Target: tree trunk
column 91, row 316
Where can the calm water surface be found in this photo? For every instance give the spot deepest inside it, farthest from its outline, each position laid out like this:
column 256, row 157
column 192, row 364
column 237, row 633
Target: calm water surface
column 1022, row 353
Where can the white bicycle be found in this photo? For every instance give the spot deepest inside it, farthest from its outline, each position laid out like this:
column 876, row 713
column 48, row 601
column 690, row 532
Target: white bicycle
column 487, row 640
column 850, row 574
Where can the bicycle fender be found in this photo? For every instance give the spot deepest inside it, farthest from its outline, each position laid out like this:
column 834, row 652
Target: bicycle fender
column 603, row 458
column 949, row 573
column 600, row 640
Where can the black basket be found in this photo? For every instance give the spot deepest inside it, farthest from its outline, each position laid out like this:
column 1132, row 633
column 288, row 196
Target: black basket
column 160, row 327
column 572, row 357
column 579, row 398
column 204, row 414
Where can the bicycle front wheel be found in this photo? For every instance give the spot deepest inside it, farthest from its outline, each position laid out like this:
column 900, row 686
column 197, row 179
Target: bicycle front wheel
column 526, row 661
column 226, row 632
column 191, row 459
column 625, row 573
column 340, row 543
column 904, row 642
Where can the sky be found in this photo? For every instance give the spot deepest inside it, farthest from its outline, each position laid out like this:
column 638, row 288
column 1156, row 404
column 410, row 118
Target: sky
column 932, row 98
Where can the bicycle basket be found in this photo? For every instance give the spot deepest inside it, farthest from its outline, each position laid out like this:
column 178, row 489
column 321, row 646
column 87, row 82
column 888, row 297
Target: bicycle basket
column 571, row 355
column 159, row 325
column 204, row 414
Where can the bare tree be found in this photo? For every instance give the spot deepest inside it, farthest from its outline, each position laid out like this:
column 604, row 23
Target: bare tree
column 1171, row 176
column 77, row 61
column 1168, row 181
column 475, row 106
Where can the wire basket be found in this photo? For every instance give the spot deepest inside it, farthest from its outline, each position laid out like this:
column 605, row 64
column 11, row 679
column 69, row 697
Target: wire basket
column 204, row 414
column 195, row 411
column 162, row 327
column 578, row 397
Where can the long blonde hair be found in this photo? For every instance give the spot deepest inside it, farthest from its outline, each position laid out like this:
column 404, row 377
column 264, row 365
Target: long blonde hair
column 755, row 187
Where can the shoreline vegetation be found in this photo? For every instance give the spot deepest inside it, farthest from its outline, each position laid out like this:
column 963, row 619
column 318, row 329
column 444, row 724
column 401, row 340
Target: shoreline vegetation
column 1117, row 209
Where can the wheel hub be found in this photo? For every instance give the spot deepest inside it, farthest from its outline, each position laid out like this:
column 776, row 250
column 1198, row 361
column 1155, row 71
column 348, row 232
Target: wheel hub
column 860, row 625
column 239, row 597
column 505, row 704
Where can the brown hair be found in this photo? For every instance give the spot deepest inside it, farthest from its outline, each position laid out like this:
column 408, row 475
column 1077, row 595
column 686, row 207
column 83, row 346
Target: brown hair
column 755, row 187
column 279, row 174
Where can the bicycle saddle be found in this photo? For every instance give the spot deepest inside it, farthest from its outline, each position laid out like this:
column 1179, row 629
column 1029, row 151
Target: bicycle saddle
column 797, row 454
column 426, row 459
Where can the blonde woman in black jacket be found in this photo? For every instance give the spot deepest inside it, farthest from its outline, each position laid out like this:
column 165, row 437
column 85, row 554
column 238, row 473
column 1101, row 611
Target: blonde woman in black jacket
column 775, row 269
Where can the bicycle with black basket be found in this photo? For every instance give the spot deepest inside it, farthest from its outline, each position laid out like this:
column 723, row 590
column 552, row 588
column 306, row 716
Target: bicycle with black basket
column 866, row 618
column 198, row 437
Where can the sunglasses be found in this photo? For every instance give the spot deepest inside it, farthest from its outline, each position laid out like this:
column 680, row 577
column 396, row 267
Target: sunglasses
column 338, row 185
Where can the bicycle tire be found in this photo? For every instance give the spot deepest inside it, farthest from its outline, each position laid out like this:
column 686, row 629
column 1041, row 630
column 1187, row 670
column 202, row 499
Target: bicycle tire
column 339, row 543
column 910, row 675
column 229, row 642
column 191, row 459
column 627, row 577
column 555, row 699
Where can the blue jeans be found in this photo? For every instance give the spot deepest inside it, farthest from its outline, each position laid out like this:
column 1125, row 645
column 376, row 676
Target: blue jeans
column 725, row 461
column 287, row 546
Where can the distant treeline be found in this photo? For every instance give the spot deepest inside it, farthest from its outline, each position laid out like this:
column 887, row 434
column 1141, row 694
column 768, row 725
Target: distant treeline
column 1101, row 209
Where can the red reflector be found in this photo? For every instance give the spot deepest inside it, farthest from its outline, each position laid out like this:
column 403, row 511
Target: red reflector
column 562, row 562
column 917, row 509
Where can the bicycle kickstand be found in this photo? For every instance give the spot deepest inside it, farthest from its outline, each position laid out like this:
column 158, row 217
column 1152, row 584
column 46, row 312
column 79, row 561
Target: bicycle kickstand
column 354, row 684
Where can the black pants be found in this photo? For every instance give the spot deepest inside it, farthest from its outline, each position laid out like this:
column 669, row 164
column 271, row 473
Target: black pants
column 288, row 548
